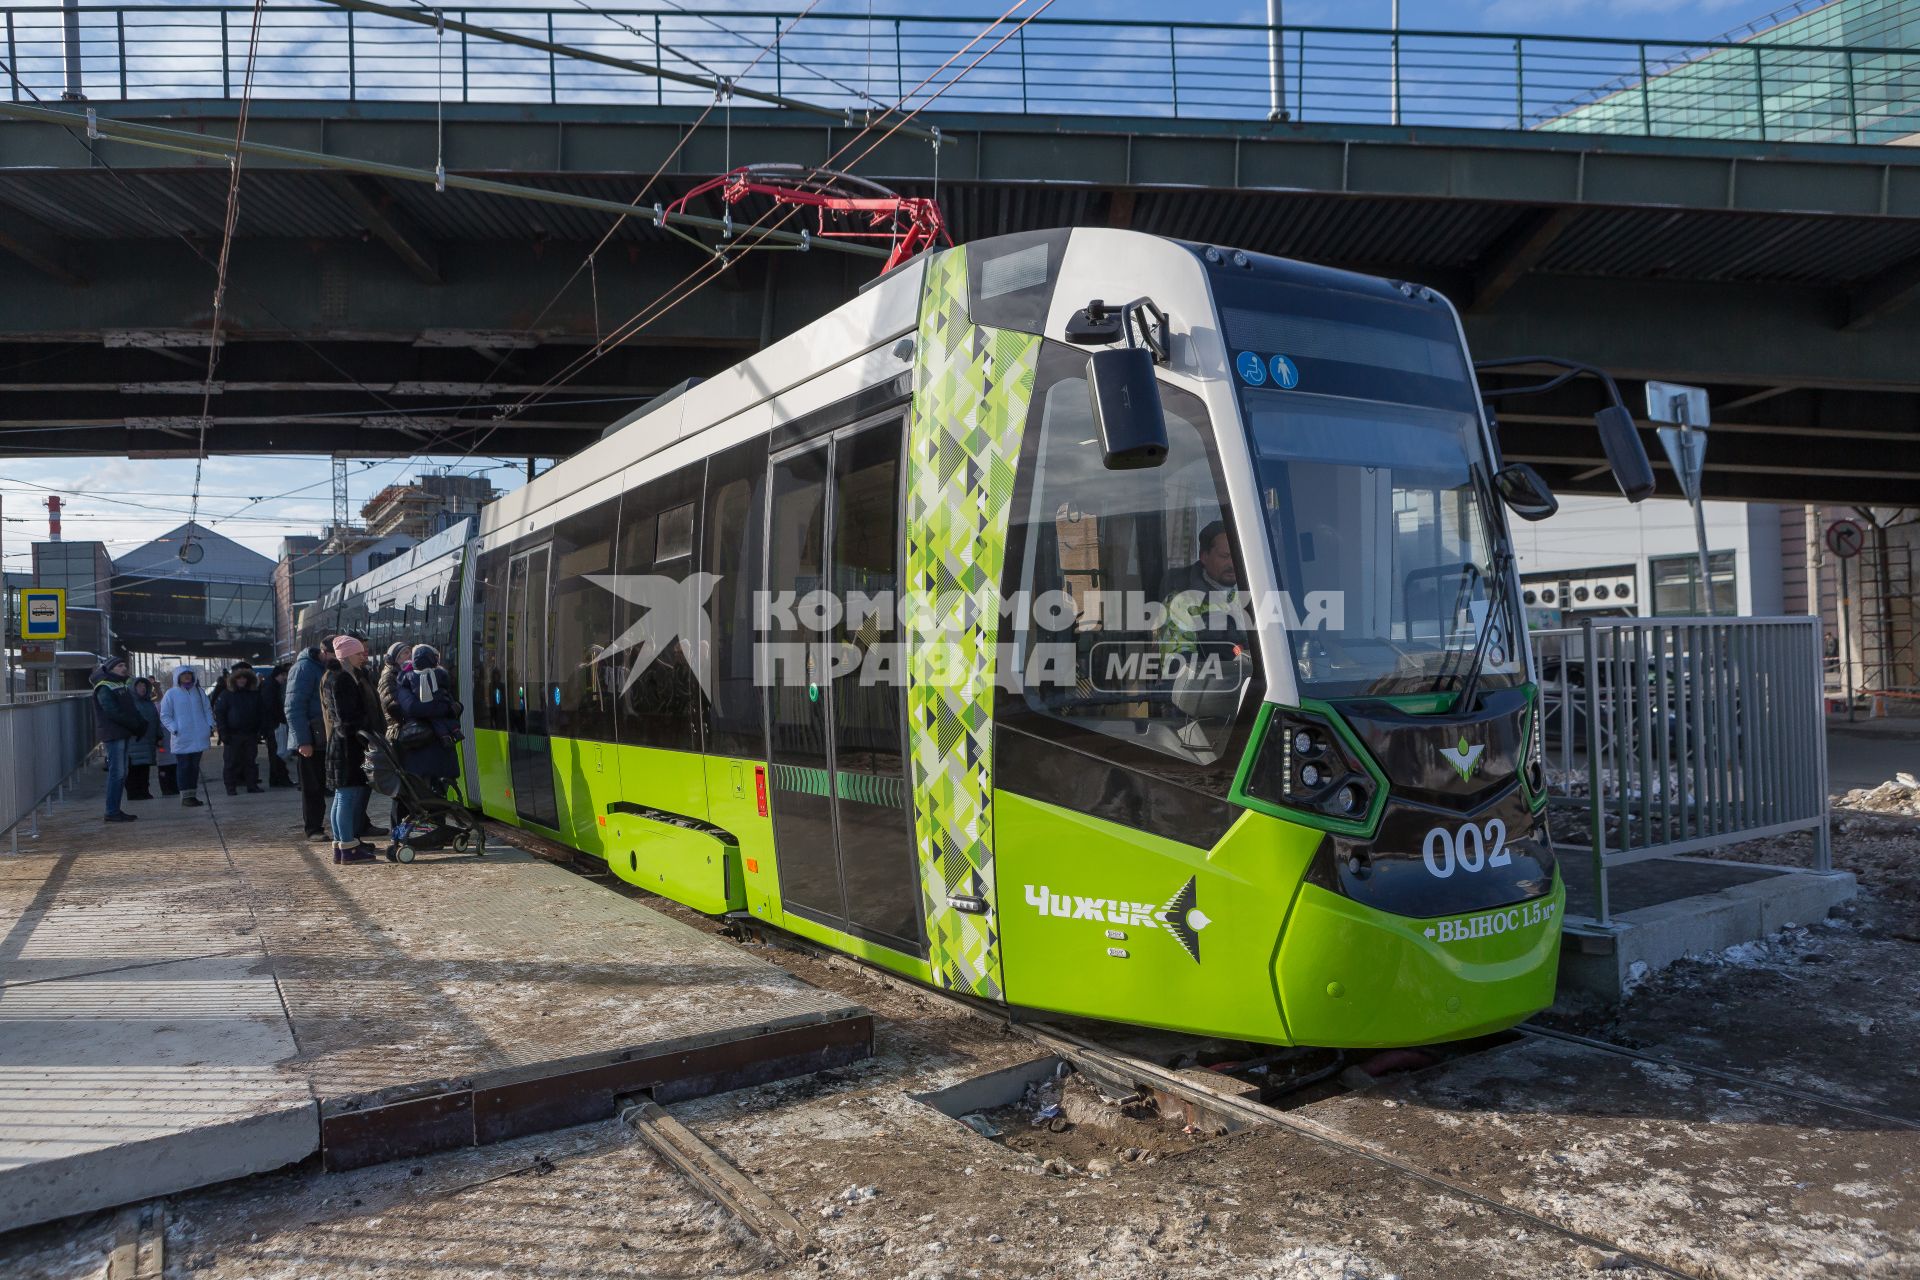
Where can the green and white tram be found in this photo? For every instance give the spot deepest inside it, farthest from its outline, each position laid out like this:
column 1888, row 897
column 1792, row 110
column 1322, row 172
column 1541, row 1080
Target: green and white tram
column 1081, row 620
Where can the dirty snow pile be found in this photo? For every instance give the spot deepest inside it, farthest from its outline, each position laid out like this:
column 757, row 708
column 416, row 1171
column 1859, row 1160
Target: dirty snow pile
column 1901, row 795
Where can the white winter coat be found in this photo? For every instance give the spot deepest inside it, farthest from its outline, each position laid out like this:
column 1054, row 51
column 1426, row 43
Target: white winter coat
column 187, row 715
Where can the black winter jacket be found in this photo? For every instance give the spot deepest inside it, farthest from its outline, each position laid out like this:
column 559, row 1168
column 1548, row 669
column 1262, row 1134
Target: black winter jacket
column 349, row 703
column 114, row 714
column 243, row 712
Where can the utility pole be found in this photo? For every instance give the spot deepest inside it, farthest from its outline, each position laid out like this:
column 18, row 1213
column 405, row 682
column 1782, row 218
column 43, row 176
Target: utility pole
column 1396, row 61
column 75, row 90
column 340, row 510
column 6, row 611
column 1276, row 62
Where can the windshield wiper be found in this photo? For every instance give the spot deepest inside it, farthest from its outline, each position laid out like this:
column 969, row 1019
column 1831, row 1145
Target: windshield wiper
column 1496, row 602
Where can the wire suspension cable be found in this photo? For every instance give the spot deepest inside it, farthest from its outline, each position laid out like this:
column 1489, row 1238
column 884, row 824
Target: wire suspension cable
column 719, row 264
column 226, row 251
column 660, row 306
column 193, row 247
column 590, row 261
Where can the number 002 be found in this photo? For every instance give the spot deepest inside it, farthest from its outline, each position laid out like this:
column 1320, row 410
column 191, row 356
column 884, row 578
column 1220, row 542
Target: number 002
column 1470, row 849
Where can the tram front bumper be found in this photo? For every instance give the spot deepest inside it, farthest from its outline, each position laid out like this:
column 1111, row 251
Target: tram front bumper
column 1353, row 977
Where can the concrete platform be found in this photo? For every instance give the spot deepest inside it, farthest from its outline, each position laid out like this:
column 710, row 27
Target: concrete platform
column 202, row 995
column 1667, row 908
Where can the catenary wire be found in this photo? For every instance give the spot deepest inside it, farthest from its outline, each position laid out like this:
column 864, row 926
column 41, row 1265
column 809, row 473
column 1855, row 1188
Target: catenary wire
column 226, row 250
column 720, row 265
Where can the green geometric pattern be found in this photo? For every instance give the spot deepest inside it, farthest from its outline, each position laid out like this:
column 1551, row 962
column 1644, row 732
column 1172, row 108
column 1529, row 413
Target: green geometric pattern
column 871, row 788
column 793, row 777
column 971, row 389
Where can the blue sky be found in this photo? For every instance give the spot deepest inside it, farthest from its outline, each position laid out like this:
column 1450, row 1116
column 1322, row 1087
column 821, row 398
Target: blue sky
column 126, row 502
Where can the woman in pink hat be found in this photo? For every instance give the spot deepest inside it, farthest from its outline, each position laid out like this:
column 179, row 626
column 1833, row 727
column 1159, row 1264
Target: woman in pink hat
column 349, row 703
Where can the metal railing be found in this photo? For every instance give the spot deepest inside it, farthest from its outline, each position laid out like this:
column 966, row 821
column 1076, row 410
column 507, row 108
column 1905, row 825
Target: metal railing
column 1757, row 89
column 1677, row 735
column 42, row 743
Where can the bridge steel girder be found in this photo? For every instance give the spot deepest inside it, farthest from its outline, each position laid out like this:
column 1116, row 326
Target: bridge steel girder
column 1841, row 347
column 1501, row 166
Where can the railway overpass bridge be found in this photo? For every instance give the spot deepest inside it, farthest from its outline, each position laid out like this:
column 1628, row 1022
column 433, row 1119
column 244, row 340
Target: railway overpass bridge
column 1773, row 261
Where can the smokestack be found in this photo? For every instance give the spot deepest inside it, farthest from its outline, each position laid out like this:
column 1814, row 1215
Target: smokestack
column 53, row 518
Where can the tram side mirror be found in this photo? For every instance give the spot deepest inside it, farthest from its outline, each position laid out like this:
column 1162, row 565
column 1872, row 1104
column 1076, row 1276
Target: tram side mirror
column 1126, row 406
column 1525, row 491
column 1625, row 454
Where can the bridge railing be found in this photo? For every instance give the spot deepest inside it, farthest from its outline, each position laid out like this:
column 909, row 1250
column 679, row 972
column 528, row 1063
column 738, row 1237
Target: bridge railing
column 1757, row 89
column 43, row 740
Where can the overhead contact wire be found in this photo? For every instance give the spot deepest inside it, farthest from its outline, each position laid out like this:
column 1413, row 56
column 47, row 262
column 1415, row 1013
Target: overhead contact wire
column 653, row 311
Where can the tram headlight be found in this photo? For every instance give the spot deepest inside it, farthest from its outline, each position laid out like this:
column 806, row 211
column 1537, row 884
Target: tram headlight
column 1303, row 763
column 1536, row 750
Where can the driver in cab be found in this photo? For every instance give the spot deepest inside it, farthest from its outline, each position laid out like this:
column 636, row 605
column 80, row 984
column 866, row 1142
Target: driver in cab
column 1203, row 598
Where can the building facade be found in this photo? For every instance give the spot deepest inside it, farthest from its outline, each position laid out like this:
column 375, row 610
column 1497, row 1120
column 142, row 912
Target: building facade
column 215, row 601
column 1861, row 86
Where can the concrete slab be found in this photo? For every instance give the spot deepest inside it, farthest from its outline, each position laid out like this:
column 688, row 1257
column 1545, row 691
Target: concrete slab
column 1668, row 908
column 202, row 995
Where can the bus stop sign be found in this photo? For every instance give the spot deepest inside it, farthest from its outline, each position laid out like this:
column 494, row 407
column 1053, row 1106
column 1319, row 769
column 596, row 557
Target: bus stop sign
column 1845, row 538
column 43, row 613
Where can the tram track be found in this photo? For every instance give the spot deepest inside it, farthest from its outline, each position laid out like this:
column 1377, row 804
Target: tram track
column 1717, row 1073
column 1104, row 1063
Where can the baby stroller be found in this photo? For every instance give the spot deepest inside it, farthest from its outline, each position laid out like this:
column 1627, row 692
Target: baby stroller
column 433, row 820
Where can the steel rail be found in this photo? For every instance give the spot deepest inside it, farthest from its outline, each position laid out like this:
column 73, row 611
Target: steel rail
column 1717, row 1073
column 210, row 147
column 1101, row 1062
column 1144, row 25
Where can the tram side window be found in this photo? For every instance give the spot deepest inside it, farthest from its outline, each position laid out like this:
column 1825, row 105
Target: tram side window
column 1136, row 627
column 659, row 701
column 439, row 614
column 490, row 601
column 734, row 512
column 583, row 624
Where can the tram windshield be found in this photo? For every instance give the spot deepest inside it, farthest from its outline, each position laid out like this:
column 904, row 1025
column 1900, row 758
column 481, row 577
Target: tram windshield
column 1380, row 521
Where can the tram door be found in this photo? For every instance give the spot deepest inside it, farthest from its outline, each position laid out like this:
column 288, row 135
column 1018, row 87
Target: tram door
column 528, row 753
column 842, row 810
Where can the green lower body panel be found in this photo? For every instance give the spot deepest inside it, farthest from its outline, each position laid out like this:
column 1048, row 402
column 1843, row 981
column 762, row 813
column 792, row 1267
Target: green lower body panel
column 586, row 779
column 494, row 794
column 696, row 867
column 1358, row 978
column 1105, row 921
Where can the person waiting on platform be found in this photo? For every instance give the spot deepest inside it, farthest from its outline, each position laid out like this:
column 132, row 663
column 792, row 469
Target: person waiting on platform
column 118, row 721
column 274, row 689
column 189, row 723
column 216, row 695
column 349, row 703
column 144, row 748
column 243, row 721
column 393, row 665
column 306, row 736
column 429, row 724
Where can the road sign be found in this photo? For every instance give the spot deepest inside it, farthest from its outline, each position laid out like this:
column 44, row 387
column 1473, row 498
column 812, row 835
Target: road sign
column 1678, row 403
column 43, row 613
column 1845, row 538
column 37, row 652
column 1687, row 454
